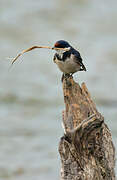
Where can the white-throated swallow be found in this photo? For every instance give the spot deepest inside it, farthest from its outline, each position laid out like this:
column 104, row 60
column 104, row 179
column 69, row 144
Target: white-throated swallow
column 69, row 61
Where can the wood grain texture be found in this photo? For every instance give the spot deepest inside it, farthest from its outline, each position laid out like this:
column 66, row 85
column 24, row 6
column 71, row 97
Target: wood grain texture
column 86, row 149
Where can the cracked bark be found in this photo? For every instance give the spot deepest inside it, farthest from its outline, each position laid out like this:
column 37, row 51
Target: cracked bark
column 86, row 149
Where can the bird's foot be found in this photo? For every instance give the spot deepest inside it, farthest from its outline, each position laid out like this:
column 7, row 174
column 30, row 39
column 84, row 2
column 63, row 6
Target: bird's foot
column 66, row 76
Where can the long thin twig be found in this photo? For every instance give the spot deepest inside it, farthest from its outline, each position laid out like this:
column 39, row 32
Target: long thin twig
column 34, row 47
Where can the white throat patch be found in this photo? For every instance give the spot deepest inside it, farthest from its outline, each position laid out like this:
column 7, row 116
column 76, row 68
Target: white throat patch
column 61, row 51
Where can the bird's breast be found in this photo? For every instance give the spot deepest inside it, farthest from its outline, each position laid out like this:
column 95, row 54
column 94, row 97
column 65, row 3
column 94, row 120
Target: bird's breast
column 68, row 65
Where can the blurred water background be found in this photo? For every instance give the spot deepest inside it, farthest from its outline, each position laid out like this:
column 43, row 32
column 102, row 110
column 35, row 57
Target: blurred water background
column 31, row 99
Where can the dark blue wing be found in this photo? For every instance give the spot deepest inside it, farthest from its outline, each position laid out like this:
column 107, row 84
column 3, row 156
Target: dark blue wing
column 78, row 59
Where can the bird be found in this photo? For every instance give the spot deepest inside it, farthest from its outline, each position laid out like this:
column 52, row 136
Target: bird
column 69, row 61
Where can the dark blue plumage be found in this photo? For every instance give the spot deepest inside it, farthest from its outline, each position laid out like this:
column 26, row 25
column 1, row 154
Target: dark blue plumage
column 62, row 44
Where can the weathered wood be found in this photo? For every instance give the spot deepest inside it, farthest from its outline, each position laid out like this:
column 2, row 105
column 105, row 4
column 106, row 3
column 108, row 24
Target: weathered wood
column 86, row 149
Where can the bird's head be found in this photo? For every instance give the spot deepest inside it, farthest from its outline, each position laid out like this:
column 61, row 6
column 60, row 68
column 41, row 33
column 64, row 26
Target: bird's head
column 62, row 44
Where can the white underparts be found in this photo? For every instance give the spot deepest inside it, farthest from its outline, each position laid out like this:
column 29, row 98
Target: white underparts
column 68, row 66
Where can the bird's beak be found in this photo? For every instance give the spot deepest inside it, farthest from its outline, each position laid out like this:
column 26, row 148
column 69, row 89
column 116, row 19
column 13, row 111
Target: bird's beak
column 53, row 48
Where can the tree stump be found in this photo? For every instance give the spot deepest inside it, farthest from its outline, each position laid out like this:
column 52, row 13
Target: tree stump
column 86, row 149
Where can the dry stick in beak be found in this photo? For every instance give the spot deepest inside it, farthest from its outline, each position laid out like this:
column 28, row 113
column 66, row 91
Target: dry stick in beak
column 29, row 49
column 34, row 47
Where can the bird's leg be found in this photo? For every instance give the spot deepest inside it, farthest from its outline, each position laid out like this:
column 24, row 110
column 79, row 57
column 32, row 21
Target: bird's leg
column 66, row 76
column 71, row 74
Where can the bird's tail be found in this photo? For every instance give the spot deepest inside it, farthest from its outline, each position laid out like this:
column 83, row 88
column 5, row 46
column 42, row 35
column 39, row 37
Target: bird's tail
column 83, row 67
